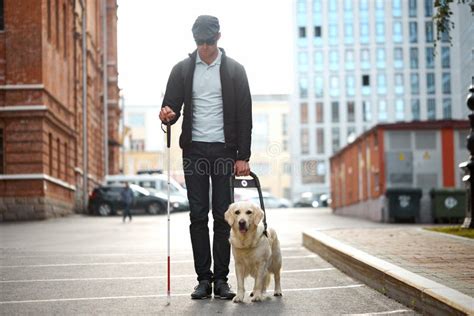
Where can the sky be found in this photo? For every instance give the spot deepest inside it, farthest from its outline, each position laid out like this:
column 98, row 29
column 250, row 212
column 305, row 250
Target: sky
column 153, row 35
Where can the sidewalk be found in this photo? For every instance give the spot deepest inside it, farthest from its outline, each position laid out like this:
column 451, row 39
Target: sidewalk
column 417, row 267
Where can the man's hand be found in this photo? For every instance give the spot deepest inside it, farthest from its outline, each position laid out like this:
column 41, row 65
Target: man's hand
column 167, row 114
column 241, row 168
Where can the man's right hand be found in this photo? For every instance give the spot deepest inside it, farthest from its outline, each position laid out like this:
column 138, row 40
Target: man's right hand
column 167, row 114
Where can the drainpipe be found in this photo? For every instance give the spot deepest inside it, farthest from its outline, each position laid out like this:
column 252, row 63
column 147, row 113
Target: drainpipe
column 84, row 107
column 105, row 93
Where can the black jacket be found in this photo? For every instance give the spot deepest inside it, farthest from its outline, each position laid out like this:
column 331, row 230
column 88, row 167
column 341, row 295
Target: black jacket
column 236, row 100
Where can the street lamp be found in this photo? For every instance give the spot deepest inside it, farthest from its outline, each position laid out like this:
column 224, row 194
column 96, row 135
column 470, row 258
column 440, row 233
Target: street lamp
column 468, row 166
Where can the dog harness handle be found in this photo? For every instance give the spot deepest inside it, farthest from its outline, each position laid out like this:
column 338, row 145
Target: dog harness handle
column 249, row 183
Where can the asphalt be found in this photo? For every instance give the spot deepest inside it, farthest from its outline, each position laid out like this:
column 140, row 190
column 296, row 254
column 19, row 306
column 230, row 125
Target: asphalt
column 93, row 265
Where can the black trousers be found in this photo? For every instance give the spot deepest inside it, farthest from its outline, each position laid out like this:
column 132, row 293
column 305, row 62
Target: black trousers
column 201, row 162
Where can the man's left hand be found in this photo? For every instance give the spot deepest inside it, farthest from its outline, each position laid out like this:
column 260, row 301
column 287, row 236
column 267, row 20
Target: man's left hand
column 241, row 168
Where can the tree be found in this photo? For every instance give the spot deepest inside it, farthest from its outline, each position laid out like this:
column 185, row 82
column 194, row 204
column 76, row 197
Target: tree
column 442, row 18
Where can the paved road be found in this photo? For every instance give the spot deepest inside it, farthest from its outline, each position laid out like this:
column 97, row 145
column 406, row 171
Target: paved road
column 92, row 265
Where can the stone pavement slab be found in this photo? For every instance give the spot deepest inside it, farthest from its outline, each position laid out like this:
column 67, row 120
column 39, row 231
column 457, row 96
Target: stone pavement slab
column 430, row 272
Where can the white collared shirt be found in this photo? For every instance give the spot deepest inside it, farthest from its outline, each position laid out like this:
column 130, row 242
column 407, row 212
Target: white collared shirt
column 208, row 112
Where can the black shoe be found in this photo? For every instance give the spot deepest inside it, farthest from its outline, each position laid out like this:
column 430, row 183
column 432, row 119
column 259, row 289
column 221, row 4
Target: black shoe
column 222, row 290
column 202, row 290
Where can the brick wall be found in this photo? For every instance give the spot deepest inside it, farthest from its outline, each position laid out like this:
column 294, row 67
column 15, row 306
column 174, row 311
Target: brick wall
column 41, row 105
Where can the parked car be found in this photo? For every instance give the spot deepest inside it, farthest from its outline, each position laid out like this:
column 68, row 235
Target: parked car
column 269, row 200
column 106, row 200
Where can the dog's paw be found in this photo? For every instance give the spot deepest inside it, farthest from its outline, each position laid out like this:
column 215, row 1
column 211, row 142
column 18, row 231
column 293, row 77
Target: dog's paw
column 238, row 299
column 277, row 293
column 257, row 298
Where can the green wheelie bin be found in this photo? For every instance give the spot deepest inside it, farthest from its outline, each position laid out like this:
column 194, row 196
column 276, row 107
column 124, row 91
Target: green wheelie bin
column 448, row 205
column 403, row 204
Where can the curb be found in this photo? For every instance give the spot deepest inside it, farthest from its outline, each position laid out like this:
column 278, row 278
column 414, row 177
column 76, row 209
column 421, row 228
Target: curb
column 412, row 290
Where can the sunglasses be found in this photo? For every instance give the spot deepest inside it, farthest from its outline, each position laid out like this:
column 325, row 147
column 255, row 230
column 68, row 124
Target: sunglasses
column 210, row 41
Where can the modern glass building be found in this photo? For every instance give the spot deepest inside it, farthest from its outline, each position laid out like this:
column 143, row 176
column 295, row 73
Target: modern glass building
column 360, row 62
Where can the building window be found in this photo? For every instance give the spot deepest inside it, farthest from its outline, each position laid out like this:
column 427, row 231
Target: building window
column 318, row 60
column 364, row 32
column 65, row 33
column 380, row 32
column 398, row 57
column 445, row 57
column 334, row 89
column 412, row 8
column 350, row 85
column 137, row 145
column 303, row 87
column 414, row 58
column 415, row 109
column 397, row 8
column 429, row 32
column 303, row 61
column 320, row 141
column 399, row 83
column 333, row 34
column 335, row 111
column 317, row 7
column 56, row 9
column 351, row 134
column 304, row 113
column 383, row 115
column 304, row 141
column 365, row 58
column 430, row 83
column 415, row 84
column 381, row 84
column 349, row 60
column 48, row 15
column 428, row 8
column 431, row 109
column 348, row 33
column 319, row 112
column 413, row 32
column 399, row 110
column 317, row 31
column 380, row 58
column 447, row 109
column 2, row 150
column 302, row 32
column 350, row 111
column 397, row 32
column 334, row 60
column 365, row 80
column 58, row 156
column 336, row 139
column 313, row 171
column 366, row 111
column 430, row 60
column 318, row 86
column 446, row 83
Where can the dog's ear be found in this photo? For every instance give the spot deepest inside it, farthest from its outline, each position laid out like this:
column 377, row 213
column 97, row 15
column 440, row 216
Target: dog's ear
column 258, row 214
column 229, row 215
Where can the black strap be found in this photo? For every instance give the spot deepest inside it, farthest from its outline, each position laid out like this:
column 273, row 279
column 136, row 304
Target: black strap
column 249, row 183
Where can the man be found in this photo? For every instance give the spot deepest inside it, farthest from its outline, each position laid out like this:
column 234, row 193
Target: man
column 215, row 138
column 127, row 198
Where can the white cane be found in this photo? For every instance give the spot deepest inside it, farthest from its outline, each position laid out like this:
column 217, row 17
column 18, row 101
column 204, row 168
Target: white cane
column 168, row 141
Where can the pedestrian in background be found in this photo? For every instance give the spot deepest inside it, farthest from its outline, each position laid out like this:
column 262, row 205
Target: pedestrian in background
column 215, row 138
column 127, row 197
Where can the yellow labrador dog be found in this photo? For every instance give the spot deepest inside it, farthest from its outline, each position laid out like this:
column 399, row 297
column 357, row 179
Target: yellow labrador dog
column 254, row 253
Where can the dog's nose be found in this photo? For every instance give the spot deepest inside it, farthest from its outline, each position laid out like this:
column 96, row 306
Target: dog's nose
column 242, row 222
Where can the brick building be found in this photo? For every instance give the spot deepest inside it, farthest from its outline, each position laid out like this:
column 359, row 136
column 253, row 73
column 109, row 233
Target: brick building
column 418, row 154
column 43, row 156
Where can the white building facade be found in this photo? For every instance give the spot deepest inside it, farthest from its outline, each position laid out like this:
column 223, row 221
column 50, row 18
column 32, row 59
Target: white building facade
column 360, row 62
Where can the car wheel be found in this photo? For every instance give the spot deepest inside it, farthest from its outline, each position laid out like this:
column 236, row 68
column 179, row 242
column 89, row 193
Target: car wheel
column 155, row 208
column 104, row 209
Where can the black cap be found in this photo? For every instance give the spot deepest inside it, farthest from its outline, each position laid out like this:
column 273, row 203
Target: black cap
column 205, row 27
